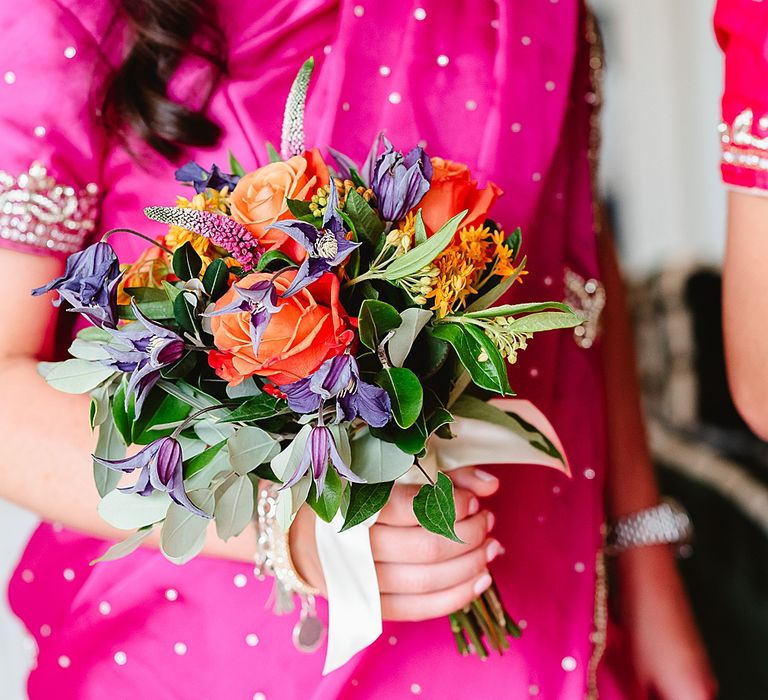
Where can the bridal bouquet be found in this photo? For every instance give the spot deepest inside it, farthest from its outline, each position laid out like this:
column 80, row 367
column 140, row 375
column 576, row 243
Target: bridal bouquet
column 313, row 326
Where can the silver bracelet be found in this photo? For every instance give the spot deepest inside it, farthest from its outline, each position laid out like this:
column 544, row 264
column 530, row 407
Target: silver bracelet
column 273, row 558
column 666, row 523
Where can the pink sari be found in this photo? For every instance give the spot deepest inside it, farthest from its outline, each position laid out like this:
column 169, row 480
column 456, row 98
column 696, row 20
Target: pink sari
column 503, row 86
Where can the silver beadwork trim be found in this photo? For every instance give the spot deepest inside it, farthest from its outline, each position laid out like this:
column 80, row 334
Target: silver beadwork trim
column 739, row 145
column 586, row 298
column 37, row 211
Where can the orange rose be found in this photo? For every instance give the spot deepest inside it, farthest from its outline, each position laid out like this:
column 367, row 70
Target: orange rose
column 310, row 328
column 453, row 190
column 258, row 200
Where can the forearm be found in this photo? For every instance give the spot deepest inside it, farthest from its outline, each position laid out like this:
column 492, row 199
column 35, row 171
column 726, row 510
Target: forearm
column 745, row 307
column 46, row 458
column 631, row 484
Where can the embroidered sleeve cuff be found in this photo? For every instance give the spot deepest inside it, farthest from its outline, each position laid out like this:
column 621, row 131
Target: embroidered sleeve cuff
column 744, row 151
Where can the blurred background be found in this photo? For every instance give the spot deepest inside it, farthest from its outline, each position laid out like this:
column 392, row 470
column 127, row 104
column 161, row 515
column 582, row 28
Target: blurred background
column 659, row 179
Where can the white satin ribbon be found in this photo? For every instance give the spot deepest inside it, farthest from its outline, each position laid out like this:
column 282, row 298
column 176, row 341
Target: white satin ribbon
column 354, row 603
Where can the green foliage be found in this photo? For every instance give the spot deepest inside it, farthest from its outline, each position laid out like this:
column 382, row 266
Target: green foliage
column 184, row 311
column 272, row 154
column 271, row 257
column 327, row 504
column 202, row 460
column 249, row 447
column 234, row 165
column 216, row 279
column 435, row 508
column 405, row 392
column 109, row 445
column 365, row 500
column 376, row 460
column 234, row 508
column 365, row 221
column 375, row 320
column 186, row 262
column 400, row 344
column 257, row 408
column 183, row 534
column 76, row 376
column 300, row 209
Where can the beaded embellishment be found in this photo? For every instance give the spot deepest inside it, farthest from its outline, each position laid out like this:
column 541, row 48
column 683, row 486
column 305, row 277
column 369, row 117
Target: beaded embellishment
column 36, row 211
column 740, row 147
column 586, row 298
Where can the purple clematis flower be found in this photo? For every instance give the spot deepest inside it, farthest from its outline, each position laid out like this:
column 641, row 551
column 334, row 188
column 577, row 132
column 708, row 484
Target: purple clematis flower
column 339, row 378
column 201, row 179
column 260, row 299
column 148, row 348
column 319, row 452
column 89, row 284
column 326, row 248
column 400, row 181
column 161, row 468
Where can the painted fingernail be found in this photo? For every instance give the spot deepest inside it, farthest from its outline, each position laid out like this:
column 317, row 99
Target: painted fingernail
column 491, row 521
column 493, row 550
column 484, row 476
column 482, row 584
column 474, row 506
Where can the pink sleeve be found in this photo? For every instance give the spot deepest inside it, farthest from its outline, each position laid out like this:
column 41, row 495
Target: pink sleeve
column 50, row 140
column 741, row 27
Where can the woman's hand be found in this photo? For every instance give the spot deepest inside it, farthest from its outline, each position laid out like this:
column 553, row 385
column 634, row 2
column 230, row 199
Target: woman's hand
column 421, row 575
column 669, row 657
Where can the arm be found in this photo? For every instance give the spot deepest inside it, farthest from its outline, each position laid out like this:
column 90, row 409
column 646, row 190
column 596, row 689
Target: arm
column 668, row 654
column 745, row 307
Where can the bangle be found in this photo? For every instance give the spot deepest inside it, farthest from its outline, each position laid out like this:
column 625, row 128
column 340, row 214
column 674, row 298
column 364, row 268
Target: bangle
column 273, row 558
column 666, row 523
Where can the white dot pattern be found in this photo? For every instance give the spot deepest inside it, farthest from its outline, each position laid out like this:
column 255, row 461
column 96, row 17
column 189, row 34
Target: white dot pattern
column 420, row 14
column 516, row 127
column 385, row 71
column 64, row 661
column 40, row 131
column 549, row 86
column 568, row 663
column 533, row 690
column 121, row 658
column 395, row 98
column 579, row 567
column 45, row 630
column 443, row 60
column 27, row 576
column 345, row 106
column 68, row 574
column 105, row 607
column 471, row 105
column 589, row 474
column 392, row 640
column 252, row 640
column 171, row 594
column 358, row 10
column 70, row 52
column 180, row 648
column 9, row 77
column 415, row 689
column 240, row 580
column 259, row 696
column 525, row 40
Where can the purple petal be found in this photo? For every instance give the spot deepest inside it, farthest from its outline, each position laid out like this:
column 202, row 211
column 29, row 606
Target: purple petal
column 373, row 405
column 310, row 270
column 149, row 324
column 142, row 486
column 345, row 247
column 301, row 469
column 178, row 493
column 138, row 461
column 370, row 162
column 300, row 396
column 332, row 216
column 259, row 321
column 345, row 165
column 235, row 306
column 333, row 376
column 339, row 464
column 167, row 462
column 305, row 234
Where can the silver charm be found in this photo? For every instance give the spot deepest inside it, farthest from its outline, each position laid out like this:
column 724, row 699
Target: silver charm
column 309, row 631
column 586, row 298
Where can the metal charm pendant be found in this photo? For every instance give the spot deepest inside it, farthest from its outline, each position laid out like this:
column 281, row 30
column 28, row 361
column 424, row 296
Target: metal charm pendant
column 309, row 631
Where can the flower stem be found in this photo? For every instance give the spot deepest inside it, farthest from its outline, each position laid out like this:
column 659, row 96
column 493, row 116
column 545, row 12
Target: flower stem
column 136, row 233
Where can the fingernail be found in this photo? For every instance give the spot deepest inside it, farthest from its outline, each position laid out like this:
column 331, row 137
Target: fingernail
column 484, row 476
column 474, row 506
column 493, row 550
column 482, row 584
column 491, row 521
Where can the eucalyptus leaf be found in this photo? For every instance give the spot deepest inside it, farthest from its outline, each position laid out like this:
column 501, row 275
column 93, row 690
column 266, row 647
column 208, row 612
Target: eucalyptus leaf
column 377, row 461
column 400, row 344
column 285, row 463
column 234, row 509
column 94, row 334
column 424, row 253
column 405, row 392
column 78, row 376
column 127, row 546
column 109, row 445
column 244, row 389
column 435, row 508
column 365, row 500
column 290, row 500
column 88, row 350
column 249, row 447
column 100, row 408
column 203, row 478
column 155, row 310
column 129, row 511
column 197, row 463
column 183, row 533
column 212, row 432
column 257, row 408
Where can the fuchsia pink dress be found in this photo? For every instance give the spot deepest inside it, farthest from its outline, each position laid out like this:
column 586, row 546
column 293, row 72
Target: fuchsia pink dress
column 504, row 86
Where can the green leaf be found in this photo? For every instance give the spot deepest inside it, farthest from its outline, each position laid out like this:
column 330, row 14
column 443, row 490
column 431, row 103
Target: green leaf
column 300, row 209
column 365, row 500
column 109, row 445
column 400, row 344
column 327, row 504
column 171, row 291
column 420, row 233
column 94, row 334
column 285, row 463
column 159, row 409
column 128, row 511
column 123, row 415
column 202, row 460
column 272, row 256
column 78, row 376
column 366, row 222
column 100, row 404
column 405, row 392
column 184, row 313
column 424, row 253
column 377, row 461
column 375, row 320
column 472, row 407
column 127, row 546
column 156, row 310
column 88, row 350
column 186, row 262
column 435, row 509
column 518, row 309
column 514, row 241
column 495, row 293
column 290, row 500
column 272, row 154
column 256, row 408
column 249, row 447
column 234, row 508
column 234, row 165
column 183, row 534
column 472, row 346
column 544, row 321
column 216, row 279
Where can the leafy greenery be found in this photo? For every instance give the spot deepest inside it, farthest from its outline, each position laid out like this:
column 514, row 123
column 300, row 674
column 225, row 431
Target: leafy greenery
column 365, row 500
column 256, row 408
column 365, row 221
column 216, row 279
column 186, row 262
column 405, row 392
column 435, row 509
column 327, row 504
column 376, row 319
column 274, row 256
